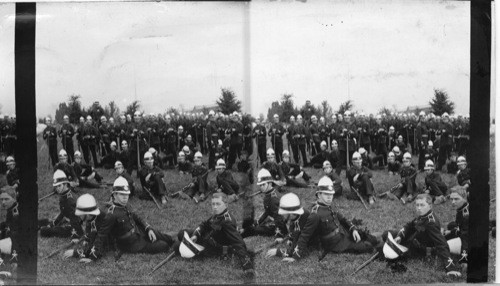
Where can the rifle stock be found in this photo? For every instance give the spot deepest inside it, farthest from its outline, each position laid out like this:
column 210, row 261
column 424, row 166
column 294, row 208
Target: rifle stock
column 370, row 260
column 163, row 262
column 359, row 196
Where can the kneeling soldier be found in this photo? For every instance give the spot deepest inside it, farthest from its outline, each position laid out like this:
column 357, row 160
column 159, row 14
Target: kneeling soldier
column 92, row 218
column 336, row 233
column 67, row 205
column 293, row 172
column 270, row 223
column 360, row 178
column 151, row 180
column 218, row 236
column 226, row 182
column 132, row 233
column 423, row 233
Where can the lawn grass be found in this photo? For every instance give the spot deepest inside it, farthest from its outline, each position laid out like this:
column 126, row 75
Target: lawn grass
column 179, row 214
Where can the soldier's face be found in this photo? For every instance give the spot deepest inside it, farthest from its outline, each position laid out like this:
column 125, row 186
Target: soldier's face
column 314, row 120
column 66, row 120
column 181, row 159
column 400, row 139
column 265, row 187
column 113, row 147
column 197, row 161
column 63, row 159
column 290, row 217
column 334, row 120
column 422, row 207
column 390, row 159
column 276, row 120
column 119, row 170
column 270, row 157
column 406, row 162
column 121, row 199
column 335, row 145
column 111, row 120
column 82, row 120
column 286, row 159
column 325, row 198
column 357, row 163
column 6, row 201
column 327, row 169
column 11, row 165
column 78, row 159
column 124, row 145
column 86, row 217
column 149, row 162
column 429, row 171
column 218, row 206
column 189, row 139
column 462, row 166
column 129, row 118
column 457, row 201
column 61, row 188
column 323, row 147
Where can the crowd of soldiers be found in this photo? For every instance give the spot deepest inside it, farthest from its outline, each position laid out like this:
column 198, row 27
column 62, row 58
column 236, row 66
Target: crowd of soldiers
column 152, row 143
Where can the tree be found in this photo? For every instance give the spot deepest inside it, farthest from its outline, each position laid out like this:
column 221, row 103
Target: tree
column 173, row 110
column 227, row 102
column 385, row 110
column 75, row 108
column 62, row 110
column 133, row 107
column 287, row 108
column 325, row 109
column 112, row 110
column 275, row 108
column 441, row 103
column 345, row 107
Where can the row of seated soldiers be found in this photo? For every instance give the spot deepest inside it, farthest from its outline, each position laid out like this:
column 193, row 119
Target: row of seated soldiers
column 296, row 230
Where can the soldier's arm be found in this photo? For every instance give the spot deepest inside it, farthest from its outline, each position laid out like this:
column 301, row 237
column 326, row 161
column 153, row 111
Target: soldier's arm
column 347, row 224
column 75, row 222
column 464, row 237
column 141, row 222
column 306, row 233
column 407, row 231
column 278, row 219
column 234, row 238
column 437, row 238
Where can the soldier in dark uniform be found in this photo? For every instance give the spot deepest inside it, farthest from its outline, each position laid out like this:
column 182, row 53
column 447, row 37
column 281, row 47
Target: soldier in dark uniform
column 463, row 174
column 67, row 205
column 363, row 133
column 315, row 140
column 247, row 135
column 219, row 236
column 423, row 232
column 457, row 232
column 321, row 156
column 197, row 189
column 122, row 131
column 393, row 166
column 334, row 129
column 79, row 133
column 120, row 172
column 324, row 130
column 269, row 223
column 50, row 137
column 183, row 165
column 334, row 177
column 359, row 177
column 335, row 157
column 212, row 131
column 463, row 135
column 9, row 229
column 9, row 135
column 138, row 142
column 66, row 133
column 169, row 137
column 113, row 131
column 64, row 166
column 105, row 137
column 293, row 141
column 274, row 168
column 85, row 173
column 153, row 134
column 96, row 112
column 434, row 184
column 151, row 180
column 346, row 145
column 300, row 134
column 12, row 173
column 446, row 141
column 259, row 133
column 90, row 139
column 293, row 172
column 126, row 157
column 131, row 233
column 406, row 189
column 381, row 138
column 235, row 130
column 108, row 162
column 226, row 182
column 92, row 218
column 422, row 138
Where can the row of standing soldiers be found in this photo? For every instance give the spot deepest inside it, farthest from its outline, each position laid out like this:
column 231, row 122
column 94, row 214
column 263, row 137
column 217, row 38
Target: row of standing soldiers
column 170, row 134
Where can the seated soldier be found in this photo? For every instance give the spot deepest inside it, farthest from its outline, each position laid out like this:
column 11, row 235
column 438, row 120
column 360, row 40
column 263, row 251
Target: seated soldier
column 244, row 166
column 337, row 181
column 151, row 180
column 398, row 155
column 12, row 174
column 293, row 172
column 9, row 229
column 220, row 151
column 457, row 232
column 130, row 232
column 423, row 236
column 301, row 229
column 183, row 165
column 85, row 173
column 430, row 153
column 393, row 166
column 64, row 166
column 317, row 161
column 92, row 218
column 269, row 223
column 226, row 182
column 126, row 157
column 156, row 158
column 434, row 184
column 197, row 189
column 189, row 142
column 335, row 157
column 359, row 178
column 109, row 160
column 452, row 166
column 335, row 232
column 367, row 161
column 187, row 152
column 217, row 236
column 272, row 166
column 406, row 189
column 463, row 173
column 67, row 205
column 120, row 172
column 401, row 144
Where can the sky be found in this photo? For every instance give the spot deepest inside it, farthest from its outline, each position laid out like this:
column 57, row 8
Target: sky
column 172, row 54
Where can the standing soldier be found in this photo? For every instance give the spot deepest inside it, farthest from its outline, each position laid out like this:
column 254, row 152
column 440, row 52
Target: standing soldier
column 259, row 133
column 446, row 141
column 334, row 129
column 363, row 133
column 314, row 139
column 90, row 139
column 235, row 129
column 276, row 132
column 422, row 138
column 66, row 133
column 381, row 142
column 50, row 136
column 9, row 134
column 212, row 131
column 104, row 133
column 96, row 112
column 79, row 133
column 123, row 130
column 170, row 138
column 153, row 133
column 348, row 145
column 247, row 135
column 300, row 134
column 138, row 142
column 292, row 142
column 113, row 134
column 324, row 130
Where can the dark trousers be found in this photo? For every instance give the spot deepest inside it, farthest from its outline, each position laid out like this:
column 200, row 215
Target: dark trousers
column 264, row 229
column 140, row 243
column 53, row 153
column 302, row 148
column 156, row 186
column 364, row 186
column 278, row 150
column 87, row 150
column 234, row 151
column 261, row 149
column 68, row 146
column 171, row 154
column 56, row 231
column 295, row 151
column 444, row 154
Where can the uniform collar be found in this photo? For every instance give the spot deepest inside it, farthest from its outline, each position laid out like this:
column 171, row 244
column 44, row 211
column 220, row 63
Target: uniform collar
column 222, row 214
column 425, row 215
column 14, row 205
column 465, row 206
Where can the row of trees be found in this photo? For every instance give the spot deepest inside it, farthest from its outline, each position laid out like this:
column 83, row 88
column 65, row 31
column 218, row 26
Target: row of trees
column 228, row 103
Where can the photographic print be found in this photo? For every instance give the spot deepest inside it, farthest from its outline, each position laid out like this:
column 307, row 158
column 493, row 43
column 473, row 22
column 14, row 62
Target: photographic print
column 254, row 142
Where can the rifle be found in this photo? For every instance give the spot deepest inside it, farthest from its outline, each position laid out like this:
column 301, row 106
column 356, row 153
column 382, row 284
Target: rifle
column 138, row 154
column 163, row 262
column 151, row 195
column 254, row 194
column 46, row 196
column 266, row 246
column 347, row 152
column 359, row 196
column 196, row 135
column 181, row 190
column 63, row 247
column 366, row 263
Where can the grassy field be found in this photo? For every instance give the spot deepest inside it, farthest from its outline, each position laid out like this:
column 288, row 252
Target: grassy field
column 134, row 269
